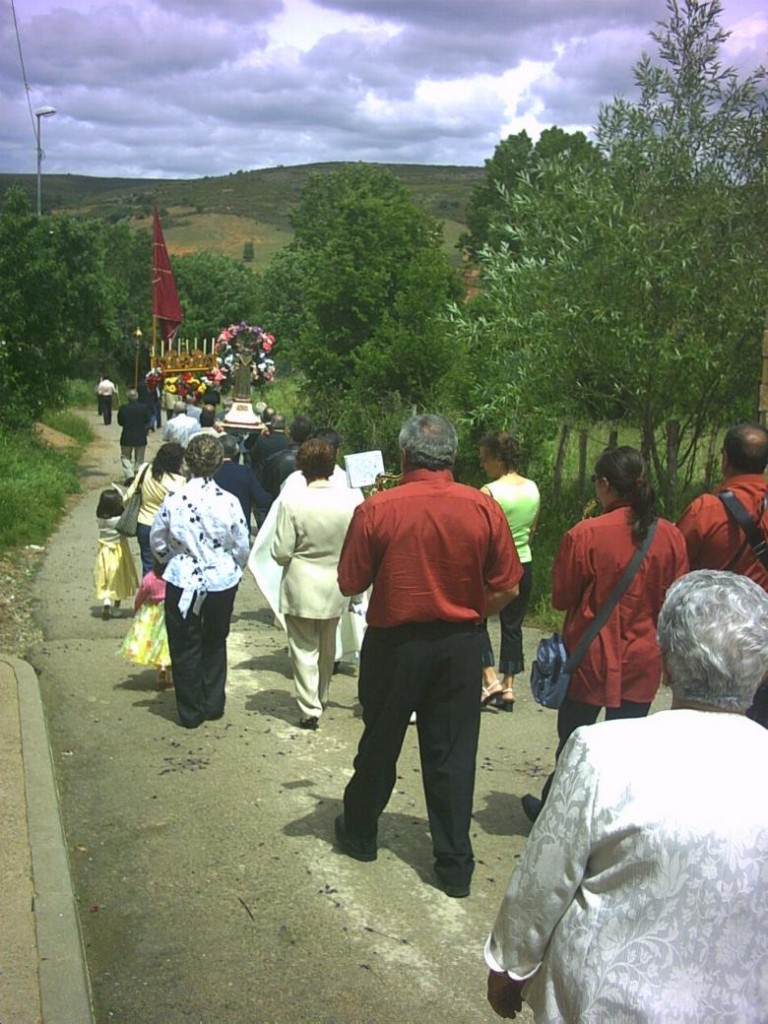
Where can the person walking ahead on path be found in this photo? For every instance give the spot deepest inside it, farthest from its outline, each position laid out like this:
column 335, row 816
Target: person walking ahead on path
column 105, row 391
column 712, row 536
column 642, row 893
column 133, row 417
column 163, row 476
column 201, row 536
column 621, row 669
column 146, row 642
column 182, row 427
column 311, row 526
column 440, row 558
column 114, row 573
column 519, row 500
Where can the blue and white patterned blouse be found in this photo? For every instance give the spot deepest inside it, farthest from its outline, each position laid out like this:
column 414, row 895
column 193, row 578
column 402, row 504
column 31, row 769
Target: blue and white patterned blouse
column 201, row 534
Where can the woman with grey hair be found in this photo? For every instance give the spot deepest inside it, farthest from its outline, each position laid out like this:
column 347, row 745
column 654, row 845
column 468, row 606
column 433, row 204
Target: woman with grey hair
column 642, row 892
column 201, row 536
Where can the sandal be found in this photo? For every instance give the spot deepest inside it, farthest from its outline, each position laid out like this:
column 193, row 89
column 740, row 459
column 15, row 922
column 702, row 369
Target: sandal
column 506, row 700
column 490, row 692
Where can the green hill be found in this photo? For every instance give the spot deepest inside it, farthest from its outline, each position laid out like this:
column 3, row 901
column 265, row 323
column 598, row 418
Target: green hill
column 221, row 214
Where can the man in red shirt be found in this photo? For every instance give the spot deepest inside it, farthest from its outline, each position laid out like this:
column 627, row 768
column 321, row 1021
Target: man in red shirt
column 441, row 559
column 713, row 538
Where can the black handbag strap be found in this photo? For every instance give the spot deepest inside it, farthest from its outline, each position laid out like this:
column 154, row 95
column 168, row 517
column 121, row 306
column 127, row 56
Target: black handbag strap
column 753, row 536
column 616, row 594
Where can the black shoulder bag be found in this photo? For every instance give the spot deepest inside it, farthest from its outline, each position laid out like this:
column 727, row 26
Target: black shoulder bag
column 553, row 667
column 750, row 528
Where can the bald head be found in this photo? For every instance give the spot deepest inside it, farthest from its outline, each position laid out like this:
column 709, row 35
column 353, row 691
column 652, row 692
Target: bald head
column 746, row 449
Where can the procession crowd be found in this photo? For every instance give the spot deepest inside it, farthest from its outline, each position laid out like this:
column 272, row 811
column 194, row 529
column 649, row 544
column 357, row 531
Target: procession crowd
column 642, row 892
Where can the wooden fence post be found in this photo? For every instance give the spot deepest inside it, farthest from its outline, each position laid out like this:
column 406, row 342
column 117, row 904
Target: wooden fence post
column 557, row 482
column 583, row 438
column 762, row 406
column 673, row 460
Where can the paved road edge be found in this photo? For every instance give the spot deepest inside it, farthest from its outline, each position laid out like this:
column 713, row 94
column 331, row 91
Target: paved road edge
column 64, row 987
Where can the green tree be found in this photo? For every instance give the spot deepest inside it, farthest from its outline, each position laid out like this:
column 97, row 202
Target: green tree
column 282, row 290
column 375, row 283
column 516, row 157
column 637, row 290
column 56, row 305
column 214, row 291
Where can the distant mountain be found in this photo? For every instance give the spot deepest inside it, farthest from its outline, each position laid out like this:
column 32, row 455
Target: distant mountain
column 222, row 214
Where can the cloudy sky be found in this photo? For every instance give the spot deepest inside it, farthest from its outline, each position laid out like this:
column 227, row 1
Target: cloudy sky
column 185, row 88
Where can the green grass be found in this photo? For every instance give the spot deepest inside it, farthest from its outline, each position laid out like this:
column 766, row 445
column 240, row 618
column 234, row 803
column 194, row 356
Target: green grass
column 70, row 423
column 37, row 482
column 80, row 394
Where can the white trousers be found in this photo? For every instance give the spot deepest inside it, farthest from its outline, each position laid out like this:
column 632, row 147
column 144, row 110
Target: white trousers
column 131, row 457
column 312, row 647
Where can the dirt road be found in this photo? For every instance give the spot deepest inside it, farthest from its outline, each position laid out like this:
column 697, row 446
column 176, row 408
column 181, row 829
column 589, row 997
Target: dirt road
column 208, row 883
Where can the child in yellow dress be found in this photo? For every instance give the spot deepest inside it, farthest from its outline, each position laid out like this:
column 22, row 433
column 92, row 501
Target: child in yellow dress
column 146, row 642
column 115, row 572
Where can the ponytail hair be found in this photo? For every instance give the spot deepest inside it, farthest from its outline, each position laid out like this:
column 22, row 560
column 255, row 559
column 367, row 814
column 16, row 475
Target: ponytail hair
column 502, row 446
column 625, row 470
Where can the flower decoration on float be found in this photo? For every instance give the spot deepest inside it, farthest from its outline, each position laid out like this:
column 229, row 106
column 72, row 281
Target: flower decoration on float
column 184, row 384
column 244, row 339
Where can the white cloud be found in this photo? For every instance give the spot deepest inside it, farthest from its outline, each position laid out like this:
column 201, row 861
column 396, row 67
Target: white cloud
column 179, row 88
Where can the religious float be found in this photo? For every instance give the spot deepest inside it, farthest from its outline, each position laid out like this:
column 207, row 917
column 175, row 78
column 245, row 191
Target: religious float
column 237, row 360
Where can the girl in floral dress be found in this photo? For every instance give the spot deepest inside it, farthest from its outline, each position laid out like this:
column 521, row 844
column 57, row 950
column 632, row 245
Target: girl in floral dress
column 146, row 642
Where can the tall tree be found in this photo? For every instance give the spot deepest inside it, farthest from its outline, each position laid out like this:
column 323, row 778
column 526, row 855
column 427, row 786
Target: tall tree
column 214, row 291
column 638, row 290
column 56, row 305
column 375, row 282
column 515, row 157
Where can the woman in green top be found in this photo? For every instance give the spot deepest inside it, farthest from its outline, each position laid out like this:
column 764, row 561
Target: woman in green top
column 519, row 500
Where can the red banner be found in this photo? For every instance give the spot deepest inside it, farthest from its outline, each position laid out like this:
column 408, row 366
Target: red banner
column 165, row 299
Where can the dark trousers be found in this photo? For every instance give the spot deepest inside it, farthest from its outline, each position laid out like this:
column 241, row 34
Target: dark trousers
column 142, row 536
column 198, row 645
column 435, row 670
column 105, row 408
column 572, row 714
column 511, row 617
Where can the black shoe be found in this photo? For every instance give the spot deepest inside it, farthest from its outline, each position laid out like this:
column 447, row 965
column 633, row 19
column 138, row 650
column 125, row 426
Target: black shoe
column 532, row 806
column 214, row 716
column 456, row 892
column 309, row 723
column 353, row 848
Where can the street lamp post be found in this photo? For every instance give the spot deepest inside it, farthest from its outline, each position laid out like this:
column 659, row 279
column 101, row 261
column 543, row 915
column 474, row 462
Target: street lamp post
column 138, row 336
column 40, row 113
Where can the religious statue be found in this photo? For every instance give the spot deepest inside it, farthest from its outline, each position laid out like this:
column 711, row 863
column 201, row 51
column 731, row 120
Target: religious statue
column 241, row 378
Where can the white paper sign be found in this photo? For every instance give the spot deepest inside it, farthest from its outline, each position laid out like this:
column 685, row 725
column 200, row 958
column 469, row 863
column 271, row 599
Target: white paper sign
column 363, row 468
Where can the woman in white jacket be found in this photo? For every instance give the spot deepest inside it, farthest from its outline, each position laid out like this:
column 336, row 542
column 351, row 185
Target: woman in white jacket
column 311, row 527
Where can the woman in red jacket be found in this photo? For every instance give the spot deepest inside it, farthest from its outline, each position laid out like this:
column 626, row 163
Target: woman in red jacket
column 621, row 669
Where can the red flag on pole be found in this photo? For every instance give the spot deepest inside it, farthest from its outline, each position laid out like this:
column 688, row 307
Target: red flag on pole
column 166, row 307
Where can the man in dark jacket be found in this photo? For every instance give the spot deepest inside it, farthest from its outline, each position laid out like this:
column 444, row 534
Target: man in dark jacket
column 260, row 447
column 242, row 482
column 133, row 417
column 279, row 466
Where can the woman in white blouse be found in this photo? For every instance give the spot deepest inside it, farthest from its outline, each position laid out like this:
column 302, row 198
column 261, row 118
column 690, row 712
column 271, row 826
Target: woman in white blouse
column 311, row 527
column 642, row 892
column 201, row 536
